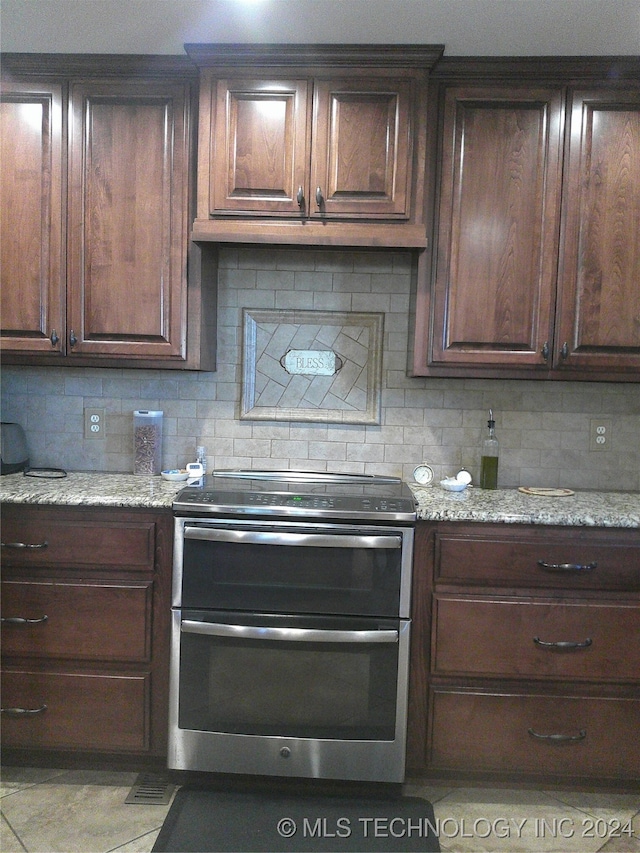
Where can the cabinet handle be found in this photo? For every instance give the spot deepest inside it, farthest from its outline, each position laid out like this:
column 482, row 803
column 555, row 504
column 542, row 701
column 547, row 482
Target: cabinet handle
column 72, row 338
column 16, row 546
column 558, row 738
column 319, row 197
column 564, row 352
column 565, row 645
column 567, row 567
column 23, row 712
column 300, row 198
column 20, row 620
column 54, row 338
column 545, row 351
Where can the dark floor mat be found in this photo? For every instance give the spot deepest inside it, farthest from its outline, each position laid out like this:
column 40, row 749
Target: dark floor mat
column 211, row 821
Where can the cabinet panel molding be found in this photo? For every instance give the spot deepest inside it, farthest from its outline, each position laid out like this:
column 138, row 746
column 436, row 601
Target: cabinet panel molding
column 31, row 239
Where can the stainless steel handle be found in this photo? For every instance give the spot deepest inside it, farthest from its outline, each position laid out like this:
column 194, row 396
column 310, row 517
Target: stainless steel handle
column 564, row 352
column 300, row 198
column 304, row 540
column 564, row 645
column 72, row 338
column 567, row 567
column 20, row 620
column 25, row 545
column 23, row 712
column 559, row 738
column 319, row 197
column 54, row 338
column 292, row 635
column 545, row 351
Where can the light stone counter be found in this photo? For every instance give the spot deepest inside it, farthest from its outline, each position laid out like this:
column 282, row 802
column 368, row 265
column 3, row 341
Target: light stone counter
column 590, row 509
column 90, row 489
column 583, row 509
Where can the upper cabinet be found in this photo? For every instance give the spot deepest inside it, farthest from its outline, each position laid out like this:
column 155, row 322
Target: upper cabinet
column 535, row 267
column 312, row 145
column 95, row 269
column 32, row 294
column 598, row 323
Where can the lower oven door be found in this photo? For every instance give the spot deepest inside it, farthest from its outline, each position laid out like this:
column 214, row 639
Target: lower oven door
column 321, row 697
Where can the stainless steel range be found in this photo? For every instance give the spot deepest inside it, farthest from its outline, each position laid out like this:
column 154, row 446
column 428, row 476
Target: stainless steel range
column 290, row 628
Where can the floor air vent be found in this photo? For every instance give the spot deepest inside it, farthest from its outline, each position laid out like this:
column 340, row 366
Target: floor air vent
column 150, row 789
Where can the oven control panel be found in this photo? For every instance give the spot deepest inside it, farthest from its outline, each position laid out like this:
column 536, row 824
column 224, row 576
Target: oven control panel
column 276, row 503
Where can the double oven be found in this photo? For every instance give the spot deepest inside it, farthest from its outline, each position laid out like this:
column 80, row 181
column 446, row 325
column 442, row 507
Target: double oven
column 291, row 626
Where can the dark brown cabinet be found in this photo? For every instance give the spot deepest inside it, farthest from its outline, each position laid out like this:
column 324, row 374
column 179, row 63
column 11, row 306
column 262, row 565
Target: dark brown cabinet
column 536, row 257
column 32, row 291
column 95, row 261
column 598, row 325
column 521, row 659
column 322, row 147
column 85, row 614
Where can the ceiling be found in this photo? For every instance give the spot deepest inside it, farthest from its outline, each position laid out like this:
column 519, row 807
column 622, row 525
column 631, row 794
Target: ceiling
column 465, row 27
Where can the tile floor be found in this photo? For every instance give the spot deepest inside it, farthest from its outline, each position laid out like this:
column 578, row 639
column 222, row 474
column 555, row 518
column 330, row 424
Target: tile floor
column 80, row 811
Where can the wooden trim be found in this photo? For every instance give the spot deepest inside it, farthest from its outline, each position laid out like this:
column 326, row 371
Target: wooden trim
column 334, row 55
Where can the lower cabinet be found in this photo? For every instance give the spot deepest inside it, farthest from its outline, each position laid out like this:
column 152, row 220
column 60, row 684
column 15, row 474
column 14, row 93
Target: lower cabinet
column 85, row 629
column 525, row 655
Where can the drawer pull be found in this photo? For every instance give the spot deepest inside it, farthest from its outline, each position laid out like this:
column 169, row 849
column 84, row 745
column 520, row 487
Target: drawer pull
column 567, row 567
column 20, row 620
column 566, row 645
column 25, row 545
column 558, row 738
column 23, row 712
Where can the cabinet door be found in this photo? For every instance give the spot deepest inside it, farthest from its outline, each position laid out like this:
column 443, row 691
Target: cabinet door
column 128, row 223
column 259, row 147
column 360, row 162
column 497, row 230
column 599, row 305
column 31, row 238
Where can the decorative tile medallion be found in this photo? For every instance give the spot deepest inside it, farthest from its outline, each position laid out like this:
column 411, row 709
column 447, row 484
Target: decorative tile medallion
column 313, row 366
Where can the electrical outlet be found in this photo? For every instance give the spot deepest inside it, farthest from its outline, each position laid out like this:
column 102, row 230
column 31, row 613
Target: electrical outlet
column 600, row 434
column 94, row 423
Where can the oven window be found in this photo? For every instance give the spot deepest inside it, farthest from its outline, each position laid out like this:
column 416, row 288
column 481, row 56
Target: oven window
column 343, row 690
column 293, row 579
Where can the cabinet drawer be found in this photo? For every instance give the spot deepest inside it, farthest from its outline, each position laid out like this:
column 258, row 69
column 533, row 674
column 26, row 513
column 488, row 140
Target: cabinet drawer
column 107, row 712
column 476, row 635
column 77, row 620
column 545, row 557
column 71, row 543
column 490, row 732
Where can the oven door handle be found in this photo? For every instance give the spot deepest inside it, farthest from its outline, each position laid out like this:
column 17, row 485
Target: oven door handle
column 311, row 540
column 292, row 635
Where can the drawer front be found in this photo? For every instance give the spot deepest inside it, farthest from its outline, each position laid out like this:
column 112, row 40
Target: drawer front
column 583, row 559
column 77, row 621
column 76, row 711
column 535, row 734
column 40, row 541
column 508, row 637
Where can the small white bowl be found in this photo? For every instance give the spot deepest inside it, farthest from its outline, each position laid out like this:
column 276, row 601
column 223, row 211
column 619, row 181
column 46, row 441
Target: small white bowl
column 453, row 485
column 175, row 475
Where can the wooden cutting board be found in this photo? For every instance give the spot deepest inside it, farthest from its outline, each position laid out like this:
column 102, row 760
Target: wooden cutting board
column 545, row 493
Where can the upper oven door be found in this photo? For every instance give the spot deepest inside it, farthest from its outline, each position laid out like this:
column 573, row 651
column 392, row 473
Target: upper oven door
column 288, row 567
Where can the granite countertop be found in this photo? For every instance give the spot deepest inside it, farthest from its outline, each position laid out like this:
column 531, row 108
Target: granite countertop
column 584, row 508
column 509, row 506
column 90, row 489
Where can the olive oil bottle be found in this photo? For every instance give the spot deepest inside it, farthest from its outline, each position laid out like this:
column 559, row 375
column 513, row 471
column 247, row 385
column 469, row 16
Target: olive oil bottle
column 489, row 457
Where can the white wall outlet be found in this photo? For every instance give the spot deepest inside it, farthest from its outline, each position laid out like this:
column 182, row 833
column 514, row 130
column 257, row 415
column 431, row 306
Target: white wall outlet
column 600, row 434
column 94, row 423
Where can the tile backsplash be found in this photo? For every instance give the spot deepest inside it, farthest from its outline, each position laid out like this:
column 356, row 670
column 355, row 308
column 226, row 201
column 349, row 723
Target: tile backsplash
column 543, row 427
